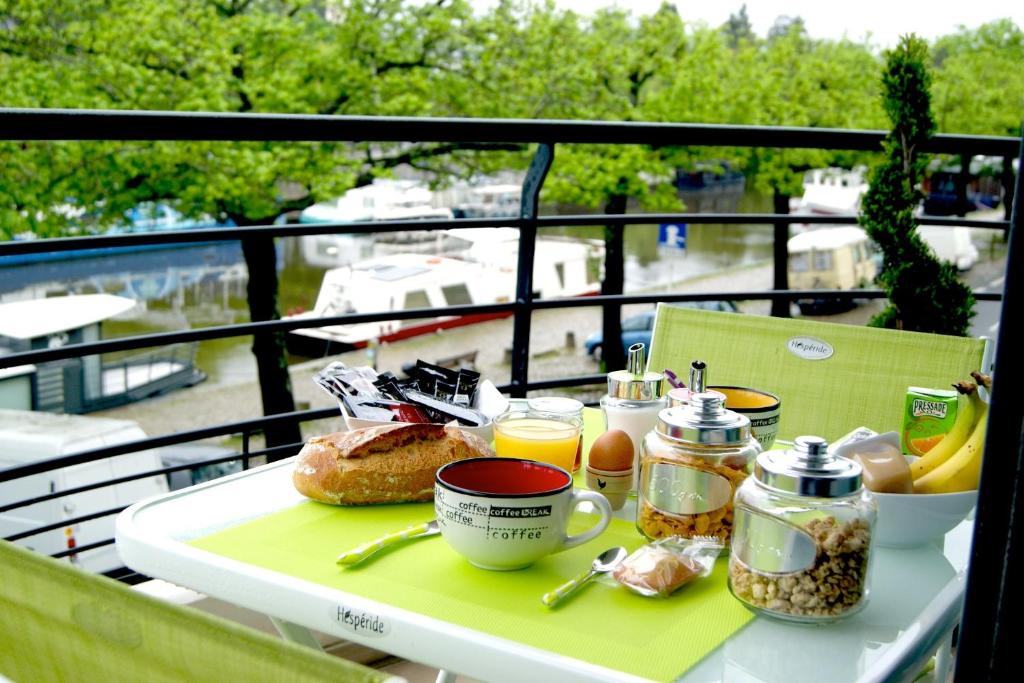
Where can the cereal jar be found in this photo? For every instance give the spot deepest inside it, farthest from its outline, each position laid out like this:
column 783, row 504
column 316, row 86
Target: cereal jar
column 802, row 536
column 690, row 466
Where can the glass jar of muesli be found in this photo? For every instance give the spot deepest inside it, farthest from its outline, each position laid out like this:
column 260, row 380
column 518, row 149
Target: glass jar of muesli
column 691, row 464
column 802, row 536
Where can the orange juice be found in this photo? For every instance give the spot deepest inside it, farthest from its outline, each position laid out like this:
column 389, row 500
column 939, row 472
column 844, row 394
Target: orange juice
column 546, row 439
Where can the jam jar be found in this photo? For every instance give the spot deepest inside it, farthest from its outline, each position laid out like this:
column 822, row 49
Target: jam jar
column 802, row 537
column 691, row 464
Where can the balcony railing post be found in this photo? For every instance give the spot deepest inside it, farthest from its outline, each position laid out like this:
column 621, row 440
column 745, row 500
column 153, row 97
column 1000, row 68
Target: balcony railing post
column 780, row 256
column 613, row 282
column 528, row 210
column 1007, row 179
column 988, row 648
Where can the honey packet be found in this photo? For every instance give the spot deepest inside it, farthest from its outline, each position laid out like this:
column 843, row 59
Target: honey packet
column 660, row 568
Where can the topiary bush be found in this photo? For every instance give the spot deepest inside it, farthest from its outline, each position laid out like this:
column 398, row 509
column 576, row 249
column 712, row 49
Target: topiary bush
column 924, row 293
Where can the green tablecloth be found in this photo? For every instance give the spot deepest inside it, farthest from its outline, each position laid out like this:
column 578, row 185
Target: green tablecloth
column 603, row 624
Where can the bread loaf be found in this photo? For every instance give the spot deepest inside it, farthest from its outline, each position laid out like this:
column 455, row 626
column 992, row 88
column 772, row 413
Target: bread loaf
column 387, row 464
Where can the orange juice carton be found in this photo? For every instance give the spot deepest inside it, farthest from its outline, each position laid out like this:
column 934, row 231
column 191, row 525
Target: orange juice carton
column 927, row 418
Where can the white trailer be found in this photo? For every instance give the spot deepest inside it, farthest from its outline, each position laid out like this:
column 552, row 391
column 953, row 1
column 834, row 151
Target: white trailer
column 28, row 437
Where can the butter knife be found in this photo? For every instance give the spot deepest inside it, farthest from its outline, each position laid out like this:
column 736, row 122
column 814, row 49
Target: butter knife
column 361, row 552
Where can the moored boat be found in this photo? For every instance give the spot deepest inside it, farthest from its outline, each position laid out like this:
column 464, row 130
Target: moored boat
column 485, row 273
column 87, row 383
column 150, row 217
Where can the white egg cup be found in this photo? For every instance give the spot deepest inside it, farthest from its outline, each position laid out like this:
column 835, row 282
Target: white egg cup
column 615, row 486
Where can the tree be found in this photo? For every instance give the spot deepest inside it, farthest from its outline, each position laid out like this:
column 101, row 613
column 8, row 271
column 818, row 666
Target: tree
column 629, row 60
column 924, row 294
column 792, row 80
column 361, row 56
column 978, row 84
column 786, row 25
column 738, row 28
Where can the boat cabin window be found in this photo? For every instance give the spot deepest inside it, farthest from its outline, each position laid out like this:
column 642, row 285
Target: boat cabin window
column 457, row 295
column 416, row 298
column 822, row 260
column 799, row 262
column 861, row 252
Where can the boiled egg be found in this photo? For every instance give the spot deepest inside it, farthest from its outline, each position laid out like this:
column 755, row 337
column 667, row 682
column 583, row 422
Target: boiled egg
column 612, row 452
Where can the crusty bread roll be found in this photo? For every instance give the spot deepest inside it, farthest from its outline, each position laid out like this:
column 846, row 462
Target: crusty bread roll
column 387, row 464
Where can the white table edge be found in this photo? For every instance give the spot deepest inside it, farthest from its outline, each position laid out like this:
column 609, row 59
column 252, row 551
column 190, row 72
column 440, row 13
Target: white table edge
column 178, row 562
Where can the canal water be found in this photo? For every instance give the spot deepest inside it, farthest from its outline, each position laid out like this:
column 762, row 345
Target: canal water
column 204, row 285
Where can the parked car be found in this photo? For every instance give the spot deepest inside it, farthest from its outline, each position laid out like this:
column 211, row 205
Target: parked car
column 636, row 329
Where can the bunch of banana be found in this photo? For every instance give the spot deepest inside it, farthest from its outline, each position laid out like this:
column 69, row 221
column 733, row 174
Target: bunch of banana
column 954, row 464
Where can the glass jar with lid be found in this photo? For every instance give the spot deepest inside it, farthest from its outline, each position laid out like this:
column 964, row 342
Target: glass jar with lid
column 802, row 537
column 691, row 464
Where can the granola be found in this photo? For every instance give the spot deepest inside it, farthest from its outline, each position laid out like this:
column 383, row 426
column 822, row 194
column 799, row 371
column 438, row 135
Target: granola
column 834, row 585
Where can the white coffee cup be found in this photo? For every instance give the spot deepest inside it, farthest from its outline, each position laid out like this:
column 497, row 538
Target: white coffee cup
column 507, row 513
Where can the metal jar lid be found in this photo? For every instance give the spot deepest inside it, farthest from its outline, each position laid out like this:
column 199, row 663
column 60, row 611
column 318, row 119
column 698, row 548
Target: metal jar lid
column 556, row 404
column 808, row 469
column 633, row 383
column 705, row 421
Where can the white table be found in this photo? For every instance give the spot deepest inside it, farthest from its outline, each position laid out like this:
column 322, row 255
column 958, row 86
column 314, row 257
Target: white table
column 916, row 598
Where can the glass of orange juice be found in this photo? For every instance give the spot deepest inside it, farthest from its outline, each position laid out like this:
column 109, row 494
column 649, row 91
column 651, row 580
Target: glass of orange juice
column 546, row 437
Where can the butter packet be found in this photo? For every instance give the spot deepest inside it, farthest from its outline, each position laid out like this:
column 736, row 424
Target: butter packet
column 658, row 569
column 852, row 437
column 928, row 416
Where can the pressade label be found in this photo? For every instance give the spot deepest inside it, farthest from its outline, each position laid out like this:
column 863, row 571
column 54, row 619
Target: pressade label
column 360, row 622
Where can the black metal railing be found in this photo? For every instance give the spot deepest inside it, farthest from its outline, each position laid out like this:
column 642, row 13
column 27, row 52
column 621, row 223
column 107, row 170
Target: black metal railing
column 998, row 555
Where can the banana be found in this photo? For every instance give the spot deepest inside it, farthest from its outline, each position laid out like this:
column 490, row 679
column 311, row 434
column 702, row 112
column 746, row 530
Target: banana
column 966, row 417
column 962, row 471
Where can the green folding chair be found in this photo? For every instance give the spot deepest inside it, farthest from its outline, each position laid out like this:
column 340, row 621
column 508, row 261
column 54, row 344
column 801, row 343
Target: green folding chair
column 58, row 623
column 831, row 378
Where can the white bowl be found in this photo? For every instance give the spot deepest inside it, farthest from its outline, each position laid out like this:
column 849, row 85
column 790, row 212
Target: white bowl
column 906, row 520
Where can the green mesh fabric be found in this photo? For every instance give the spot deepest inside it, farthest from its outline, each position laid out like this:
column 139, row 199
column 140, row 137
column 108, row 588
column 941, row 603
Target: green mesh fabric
column 862, row 383
column 604, row 624
column 58, row 623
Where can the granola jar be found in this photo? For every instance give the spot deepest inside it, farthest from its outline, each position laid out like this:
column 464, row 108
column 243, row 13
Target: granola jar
column 802, row 537
column 690, row 467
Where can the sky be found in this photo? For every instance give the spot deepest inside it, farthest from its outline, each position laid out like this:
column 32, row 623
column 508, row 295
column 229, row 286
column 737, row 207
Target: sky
column 885, row 20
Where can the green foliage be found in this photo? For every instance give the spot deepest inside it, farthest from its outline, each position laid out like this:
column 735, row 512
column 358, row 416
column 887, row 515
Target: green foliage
column 979, row 80
column 925, row 294
column 369, row 57
column 517, row 59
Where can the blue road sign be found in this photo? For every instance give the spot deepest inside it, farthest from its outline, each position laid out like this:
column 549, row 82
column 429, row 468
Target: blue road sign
column 672, row 235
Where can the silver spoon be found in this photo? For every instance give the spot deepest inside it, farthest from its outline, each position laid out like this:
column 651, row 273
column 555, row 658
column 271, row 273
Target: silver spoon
column 605, row 562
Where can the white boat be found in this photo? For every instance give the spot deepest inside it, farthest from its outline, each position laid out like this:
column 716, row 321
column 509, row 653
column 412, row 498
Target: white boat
column 485, row 274
column 831, row 191
column 837, row 191
column 831, row 258
column 490, row 201
column 80, row 385
column 562, row 266
column 384, row 200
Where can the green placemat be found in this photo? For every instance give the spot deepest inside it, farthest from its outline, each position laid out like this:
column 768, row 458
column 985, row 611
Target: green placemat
column 605, row 625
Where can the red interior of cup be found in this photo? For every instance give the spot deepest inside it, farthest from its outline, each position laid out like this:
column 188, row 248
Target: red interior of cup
column 504, row 477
